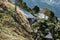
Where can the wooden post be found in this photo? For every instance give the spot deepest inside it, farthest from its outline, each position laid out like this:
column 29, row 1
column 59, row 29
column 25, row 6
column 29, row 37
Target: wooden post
column 15, row 6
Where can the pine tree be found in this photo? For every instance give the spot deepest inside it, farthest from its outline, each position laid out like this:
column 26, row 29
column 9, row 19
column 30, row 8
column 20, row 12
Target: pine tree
column 36, row 9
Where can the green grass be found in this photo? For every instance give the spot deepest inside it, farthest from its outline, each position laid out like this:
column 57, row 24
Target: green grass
column 10, row 32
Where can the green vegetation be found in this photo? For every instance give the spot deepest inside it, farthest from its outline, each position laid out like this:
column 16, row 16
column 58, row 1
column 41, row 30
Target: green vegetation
column 51, row 25
column 8, row 25
column 6, row 33
column 10, row 28
column 24, row 6
column 36, row 9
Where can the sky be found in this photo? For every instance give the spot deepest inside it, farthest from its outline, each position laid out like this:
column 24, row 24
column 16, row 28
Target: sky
column 52, row 2
column 54, row 5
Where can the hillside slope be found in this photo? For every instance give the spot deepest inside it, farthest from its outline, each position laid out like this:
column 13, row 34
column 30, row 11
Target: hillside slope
column 13, row 25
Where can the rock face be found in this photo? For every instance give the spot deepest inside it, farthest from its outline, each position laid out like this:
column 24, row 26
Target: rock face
column 22, row 28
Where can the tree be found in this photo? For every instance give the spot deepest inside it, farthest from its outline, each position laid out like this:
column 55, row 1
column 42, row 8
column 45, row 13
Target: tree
column 51, row 25
column 25, row 6
column 50, row 14
column 43, row 27
column 36, row 9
